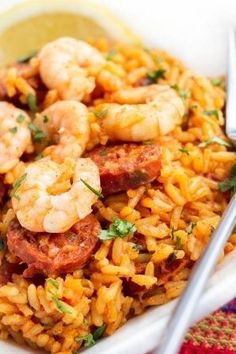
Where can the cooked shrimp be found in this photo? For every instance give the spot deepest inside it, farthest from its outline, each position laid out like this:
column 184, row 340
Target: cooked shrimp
column 142, row 113
column 66, row 125
column 45, row 199
column 64, row 65
column 15, row 136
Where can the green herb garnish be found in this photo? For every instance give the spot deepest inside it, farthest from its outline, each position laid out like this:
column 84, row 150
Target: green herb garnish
column 216, row 82
column 212, row 113
column 155, row 75
column 17, row 185
column 98, row 333
column 32, row 103
column 87, row 339
column 62, row 307
column 38, row 134
column 96, row 192
column 214, row 140
column 100, row 114
column 184, row 150
column 111, row 54
column 13, row 130
column 184, row 94
column 148, row 142
column 20, row 118
column 230, row 183
column 39, row 156
column 2, row 244
column 175, row 87
column 53, row 282
column 119, row 228
column 178, row 243
column 26, row 58
column 190, row 227
column 90, row 339
column 45, row 119
column 137, row 247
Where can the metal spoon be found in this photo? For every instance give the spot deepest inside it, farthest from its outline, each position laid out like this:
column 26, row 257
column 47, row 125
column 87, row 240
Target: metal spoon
column 181, row 318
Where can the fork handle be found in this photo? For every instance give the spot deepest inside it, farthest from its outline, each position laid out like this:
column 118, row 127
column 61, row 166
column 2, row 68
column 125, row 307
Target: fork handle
column 181, row 318
column 231, row 85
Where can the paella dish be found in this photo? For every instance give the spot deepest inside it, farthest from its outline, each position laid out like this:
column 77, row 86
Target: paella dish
column 114, row 171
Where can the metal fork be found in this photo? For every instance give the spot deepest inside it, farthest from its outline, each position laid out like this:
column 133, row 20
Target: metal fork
column 181, row 318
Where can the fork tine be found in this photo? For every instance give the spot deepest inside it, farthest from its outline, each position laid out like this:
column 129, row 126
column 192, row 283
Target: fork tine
column 231, row 87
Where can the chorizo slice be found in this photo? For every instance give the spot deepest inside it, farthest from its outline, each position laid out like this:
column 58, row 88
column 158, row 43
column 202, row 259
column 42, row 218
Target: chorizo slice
column 126, row 166
column 54, row 254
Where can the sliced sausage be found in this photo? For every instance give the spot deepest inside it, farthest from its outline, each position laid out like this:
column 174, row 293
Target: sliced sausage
column 126, row 166
column 7, row 269
column 53, row 254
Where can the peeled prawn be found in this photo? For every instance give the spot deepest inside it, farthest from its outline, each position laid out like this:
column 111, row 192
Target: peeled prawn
column 142, row 113
column 15, row 136
column 66, row 125
column 52, row 197
column 64, row 66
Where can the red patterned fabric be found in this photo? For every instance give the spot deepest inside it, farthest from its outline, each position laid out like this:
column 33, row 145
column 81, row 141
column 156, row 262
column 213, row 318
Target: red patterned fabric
column 216, row 334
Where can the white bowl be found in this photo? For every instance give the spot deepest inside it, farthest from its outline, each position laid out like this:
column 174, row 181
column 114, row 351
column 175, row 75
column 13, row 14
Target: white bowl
column 195, row 31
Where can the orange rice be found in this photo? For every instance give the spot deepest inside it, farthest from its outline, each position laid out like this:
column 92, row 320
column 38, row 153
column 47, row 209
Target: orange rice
column 174, row 217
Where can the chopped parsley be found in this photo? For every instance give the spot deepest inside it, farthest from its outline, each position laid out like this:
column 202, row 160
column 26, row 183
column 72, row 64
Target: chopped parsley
column 26, row 58
column 230, row 183
column 87, row 339
column 38, row 134
column 190, row 227
column 39, row 156
column 111, row 54
column 100, row 114
column 178, row 243
column 13, row 130
column 20, row 118
column 2, row 244
column 184, row 150
column 184, row 94
column 155, row 75
column 214, row 140
column 137, row 247
column 212, row 113
column 148, row 142
column 62, row 307
column 17, row 185
column 98, row 193
column 119, row 228
column 175, row 87
column 53, row 282
column 45, row 119
column 98, row 333
column 32, row 103
column 216, row 82
column 91, row 338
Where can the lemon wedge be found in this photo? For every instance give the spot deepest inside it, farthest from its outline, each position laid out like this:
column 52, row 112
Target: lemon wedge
column 27, row 26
